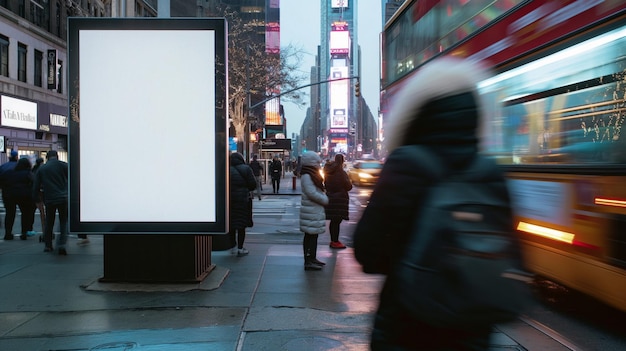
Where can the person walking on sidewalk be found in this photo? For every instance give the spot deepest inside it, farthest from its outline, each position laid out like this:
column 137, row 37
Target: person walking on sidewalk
column 337, row 186
column 276, row 171
column 312, row 213
column 257, row 170
column 8, row 203
column 242, row 182
column 17, row 190
column 51, row 178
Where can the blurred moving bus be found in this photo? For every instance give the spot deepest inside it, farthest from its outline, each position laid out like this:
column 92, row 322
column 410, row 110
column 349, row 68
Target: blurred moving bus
column 560, row 82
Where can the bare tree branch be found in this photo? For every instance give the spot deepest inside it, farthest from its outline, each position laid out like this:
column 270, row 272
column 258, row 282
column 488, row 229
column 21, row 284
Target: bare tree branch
column 250, row 66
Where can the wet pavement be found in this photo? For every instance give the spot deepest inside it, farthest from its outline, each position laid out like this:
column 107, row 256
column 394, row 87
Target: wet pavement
column 263, row 301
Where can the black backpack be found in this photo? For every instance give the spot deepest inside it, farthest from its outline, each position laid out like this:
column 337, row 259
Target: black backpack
column 462, row 266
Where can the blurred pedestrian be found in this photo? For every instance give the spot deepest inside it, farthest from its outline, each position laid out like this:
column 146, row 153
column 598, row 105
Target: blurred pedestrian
column 17, row 192
column 242, row 183
column 337, row 186
column 257, row 170
column 52, row 179
column 39, row 196
column 9, row 203
column 438, row 110
column 276, row 172
column 312, row 214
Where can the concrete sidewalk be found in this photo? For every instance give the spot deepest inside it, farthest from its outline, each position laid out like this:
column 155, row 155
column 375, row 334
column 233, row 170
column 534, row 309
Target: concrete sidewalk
column 263, row 301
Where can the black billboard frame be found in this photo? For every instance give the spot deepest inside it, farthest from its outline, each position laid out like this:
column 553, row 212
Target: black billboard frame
column 220, row 224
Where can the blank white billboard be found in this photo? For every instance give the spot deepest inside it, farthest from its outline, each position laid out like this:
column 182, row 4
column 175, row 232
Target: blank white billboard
column 148, row 145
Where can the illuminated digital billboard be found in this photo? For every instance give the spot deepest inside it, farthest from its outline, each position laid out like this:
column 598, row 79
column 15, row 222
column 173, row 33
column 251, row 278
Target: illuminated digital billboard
column 337, row 4
column 272, row 112
column 339, row 97
column 339, row 38
column 272, row 38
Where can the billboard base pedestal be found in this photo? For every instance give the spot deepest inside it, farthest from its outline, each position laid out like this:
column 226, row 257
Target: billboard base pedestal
column 157, row 258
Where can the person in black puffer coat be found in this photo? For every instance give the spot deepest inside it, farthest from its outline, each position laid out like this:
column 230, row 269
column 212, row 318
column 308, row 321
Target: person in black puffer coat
column 438, row 111
column 19, row 183
column 337, row 186
column 242, row 182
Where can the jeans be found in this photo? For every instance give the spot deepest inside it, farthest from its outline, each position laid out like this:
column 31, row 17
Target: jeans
column 276, row 184
column 51, row 210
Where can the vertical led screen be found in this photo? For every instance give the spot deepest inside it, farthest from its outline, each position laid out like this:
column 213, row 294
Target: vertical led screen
column 272, row 112
column 339, row 91
column 339, row 39
column 272, row 38
column 148, row 125
column 339, row 3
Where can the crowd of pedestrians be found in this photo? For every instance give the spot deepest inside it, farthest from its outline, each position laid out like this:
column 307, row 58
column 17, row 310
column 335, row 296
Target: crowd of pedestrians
column 42, row 187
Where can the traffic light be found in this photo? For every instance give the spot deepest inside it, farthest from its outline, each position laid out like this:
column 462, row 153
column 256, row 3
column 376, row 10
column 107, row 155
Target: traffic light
column 357, row 88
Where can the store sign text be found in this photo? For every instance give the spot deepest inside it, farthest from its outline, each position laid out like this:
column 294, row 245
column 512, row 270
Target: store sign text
column 18, row 113
column 58, row 120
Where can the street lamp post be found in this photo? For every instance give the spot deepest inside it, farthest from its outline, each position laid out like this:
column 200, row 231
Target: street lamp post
column 248, row 108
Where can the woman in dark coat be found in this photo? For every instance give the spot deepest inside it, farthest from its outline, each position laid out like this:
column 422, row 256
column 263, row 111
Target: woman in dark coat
column 337, row 186
column 242, row 182
column 438, row 112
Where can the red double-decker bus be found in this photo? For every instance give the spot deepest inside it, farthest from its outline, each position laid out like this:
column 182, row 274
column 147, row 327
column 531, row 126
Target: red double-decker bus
column 560, row 79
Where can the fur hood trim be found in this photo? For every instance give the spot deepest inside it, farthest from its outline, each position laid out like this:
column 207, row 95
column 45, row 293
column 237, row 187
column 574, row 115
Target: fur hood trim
column 440, row 78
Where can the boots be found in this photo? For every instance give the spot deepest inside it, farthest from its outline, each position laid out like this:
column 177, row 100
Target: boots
column 307, row 246
column 314, row 251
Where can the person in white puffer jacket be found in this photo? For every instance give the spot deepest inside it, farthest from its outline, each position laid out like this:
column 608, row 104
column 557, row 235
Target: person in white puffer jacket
column 312, row 209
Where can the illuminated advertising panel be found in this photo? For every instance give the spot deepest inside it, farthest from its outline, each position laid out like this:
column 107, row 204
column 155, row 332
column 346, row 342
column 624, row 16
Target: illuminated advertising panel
column 272, row 38
column 339, row 38
column 272, row 113
column 125, row 105
column 339, row 97
column 337, row 4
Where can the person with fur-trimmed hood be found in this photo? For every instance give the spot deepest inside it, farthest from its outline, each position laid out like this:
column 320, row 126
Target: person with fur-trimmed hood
column 312, row 209
column 438, row 111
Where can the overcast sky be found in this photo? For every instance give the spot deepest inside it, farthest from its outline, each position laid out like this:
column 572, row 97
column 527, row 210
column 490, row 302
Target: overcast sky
column 300, row 26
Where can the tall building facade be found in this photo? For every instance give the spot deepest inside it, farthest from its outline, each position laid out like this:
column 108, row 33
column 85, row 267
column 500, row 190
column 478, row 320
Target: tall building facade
column 346, row 124
column 339, row 58
column 33, row 88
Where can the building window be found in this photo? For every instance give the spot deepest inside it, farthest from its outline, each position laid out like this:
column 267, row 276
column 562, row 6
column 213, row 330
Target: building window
column 58, row 19
column 21, row 62
column 60, row 75
column 4, row 56
column 21, row 8
column 38, row 68
column 37, row 12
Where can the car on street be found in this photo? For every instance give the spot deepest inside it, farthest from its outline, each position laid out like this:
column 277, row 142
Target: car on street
column 365, row 172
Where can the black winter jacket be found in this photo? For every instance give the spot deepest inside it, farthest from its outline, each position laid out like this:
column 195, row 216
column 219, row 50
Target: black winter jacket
column 337, row 185
column 52, row 179
column 242, row 181
column 437, row 111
